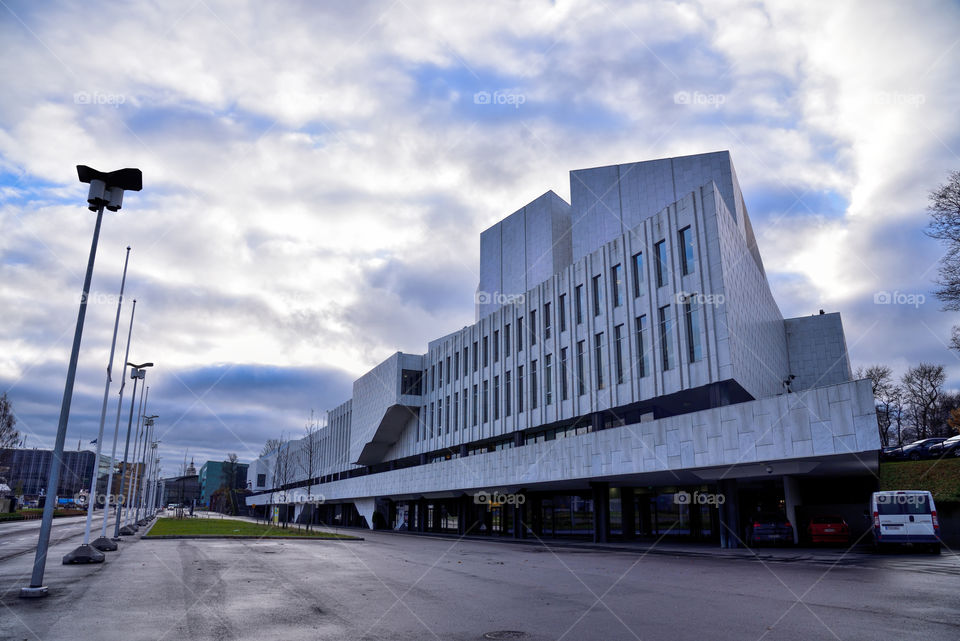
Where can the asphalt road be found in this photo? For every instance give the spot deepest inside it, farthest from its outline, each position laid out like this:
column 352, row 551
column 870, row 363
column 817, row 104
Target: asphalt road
column 404, row 587
column 20, row 537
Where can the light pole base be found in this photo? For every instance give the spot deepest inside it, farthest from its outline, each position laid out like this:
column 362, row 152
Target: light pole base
column 34, row 593
column 128, row 530
column 84, row 554
column 104, row 544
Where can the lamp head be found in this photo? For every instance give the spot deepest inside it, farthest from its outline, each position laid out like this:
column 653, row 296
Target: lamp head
column 106, row 188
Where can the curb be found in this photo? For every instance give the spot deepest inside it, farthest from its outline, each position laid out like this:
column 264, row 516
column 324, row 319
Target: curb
column 248, row 537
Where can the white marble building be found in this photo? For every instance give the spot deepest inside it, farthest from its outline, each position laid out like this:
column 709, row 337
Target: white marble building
column 626, row 340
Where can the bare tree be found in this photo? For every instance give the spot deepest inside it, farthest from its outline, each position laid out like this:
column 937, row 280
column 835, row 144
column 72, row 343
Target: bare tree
column 9, row 436
column 944, row 209
column 282, row 471
column 228, row 482
column 270, row 445
column 886, row 395
column 310, row 460
column 923, row 391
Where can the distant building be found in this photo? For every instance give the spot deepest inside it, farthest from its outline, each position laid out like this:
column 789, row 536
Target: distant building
column 27, row 471
column 122, row 479
column 213, row 477
column 181, row 490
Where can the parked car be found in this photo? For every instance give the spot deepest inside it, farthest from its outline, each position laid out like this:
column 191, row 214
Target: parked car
column 829, row 528
column 769, row 527
column 905, row 517
column 948, row 448
column 914, row 451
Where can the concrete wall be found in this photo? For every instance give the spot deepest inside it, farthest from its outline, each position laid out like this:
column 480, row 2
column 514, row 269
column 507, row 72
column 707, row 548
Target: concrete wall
column 818, row 351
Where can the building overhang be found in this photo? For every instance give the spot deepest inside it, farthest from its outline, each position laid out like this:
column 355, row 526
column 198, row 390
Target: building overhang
column 387, row 433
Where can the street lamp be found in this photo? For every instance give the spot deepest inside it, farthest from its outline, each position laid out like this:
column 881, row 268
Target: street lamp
column 86, row 553
column 137, row 373
column 147, row 464
column 106, row 190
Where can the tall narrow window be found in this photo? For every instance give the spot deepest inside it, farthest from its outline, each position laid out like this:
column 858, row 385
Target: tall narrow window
column 548, row 379
column 496, row 345
column 643, row 363
column 440, row 374
column 618, row 353
column 662, row 264
column 533, row 327
column 466, row 361
column 546, row 321
column 456, row 406
column 520, row 334
column 448, row 370
column 506, row 393
column 456, row 364
column 431, row 419
column 687, row 259
column 476, row 356
column 534, row 391
column 691, row 312
column 598, row 358
column 506, row 339
column 581, row 385
column 496, row 397
column 616, row 284
column 562, row 311
column 666, row 333
column 597, row 296
column 475, row 401
column 638, row 275
column 563, row 373
column 520, row 388
column 446, row 418
column 466, row 406
column 578, row 303
column 486, row 351
column 433, row 377
column 486, row 399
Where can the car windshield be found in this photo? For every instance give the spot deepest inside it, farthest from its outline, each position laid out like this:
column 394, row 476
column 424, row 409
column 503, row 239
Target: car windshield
column 903, row 504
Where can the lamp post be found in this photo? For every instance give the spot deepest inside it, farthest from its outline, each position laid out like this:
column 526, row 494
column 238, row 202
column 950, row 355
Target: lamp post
column 139, row 449
column 86, row 553
column 106, row 190
column 147, row 466
column 137, row 373
column 104, row 543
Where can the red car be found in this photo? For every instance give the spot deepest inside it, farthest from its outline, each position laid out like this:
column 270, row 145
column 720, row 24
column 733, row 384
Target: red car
column 828, row 529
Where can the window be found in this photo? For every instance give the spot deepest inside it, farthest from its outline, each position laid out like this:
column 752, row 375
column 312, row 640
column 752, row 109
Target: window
column 506, row 339
column 562, row 310
column 496, row 397
column 666, row 330
column 448, row 370
column 546, row 321
column 691, row 312
column 616, row 284
column 563, row 373
column 598, row 358
column 440, row 373
column 520, row 334
column 431, row 419
column 687, row 260
column 411, row 382
column 534, row 392
column 581, row 388
column 638, row 275
column 618, row 353
column 475, row 401
column 486, row 351
column 486, row 401
column 433, row 377
column 466, row 361
column 533, row 327
column 642, row 341
column 578, row 303
column 456, row 364
column 261, row 480
column 496, row 345
column 520, row 388
column 446, row 418
column 662, row 264
column 456, row 409
column 548, row 379
column 506, row 393
column 597, row 296
column 476, row 356
column 466, row 405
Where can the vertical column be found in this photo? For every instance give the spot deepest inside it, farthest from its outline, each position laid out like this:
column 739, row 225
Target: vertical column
column 729, row 514
column 601, row 512
column 628, row 513
column 791, row 497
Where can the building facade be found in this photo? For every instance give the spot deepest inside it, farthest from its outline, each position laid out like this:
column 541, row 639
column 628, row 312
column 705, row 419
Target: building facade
column 628, row 359
column 28, row 470
column 214, row 475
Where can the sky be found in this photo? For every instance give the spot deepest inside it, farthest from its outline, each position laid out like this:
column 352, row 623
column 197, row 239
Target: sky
column 316, row 176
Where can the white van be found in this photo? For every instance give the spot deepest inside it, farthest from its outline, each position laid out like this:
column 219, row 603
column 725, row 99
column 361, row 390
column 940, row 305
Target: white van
column 905, row 517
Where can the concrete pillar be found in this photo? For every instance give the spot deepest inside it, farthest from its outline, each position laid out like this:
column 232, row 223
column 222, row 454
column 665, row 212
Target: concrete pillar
column 627, row 513
column 422, row 515
column 437, row 513
column 729, row 514
column 791, row 498
column 601, row 512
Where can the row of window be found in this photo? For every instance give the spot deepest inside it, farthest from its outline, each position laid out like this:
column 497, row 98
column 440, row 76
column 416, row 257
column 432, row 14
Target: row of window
column 481, row 349
column 473, row 407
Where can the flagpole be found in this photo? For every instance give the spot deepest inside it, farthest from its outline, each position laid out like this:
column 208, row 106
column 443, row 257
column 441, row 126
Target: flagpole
column 86, row 553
